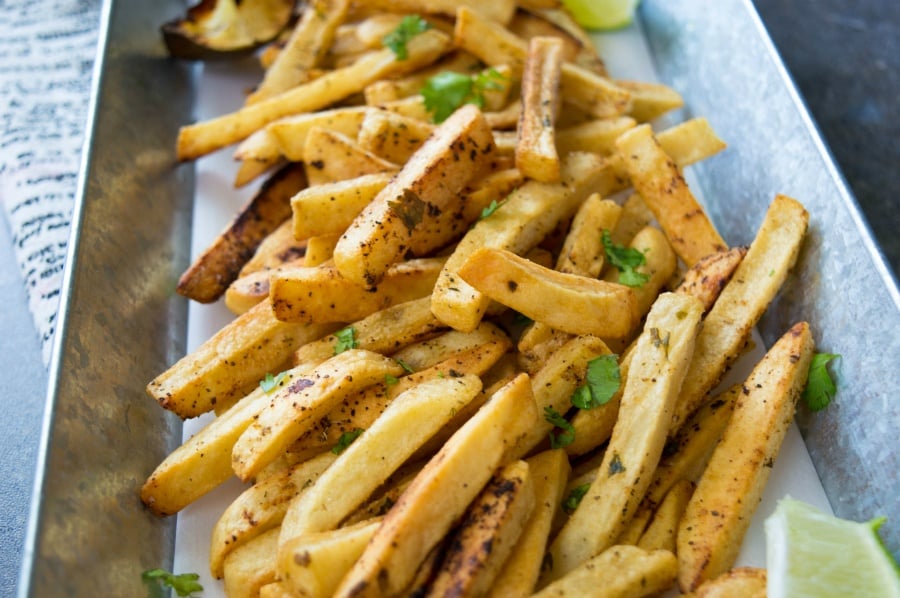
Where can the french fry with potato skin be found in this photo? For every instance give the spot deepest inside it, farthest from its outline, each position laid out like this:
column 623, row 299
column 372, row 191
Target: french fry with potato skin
column 294, row 408
column 536, row 156
column 218, row 266
column 487, row 534
column 658, row 366
column 321, row 294
column 567, row 302
column 719, row 512
column 427, row 185
column 618, row 572
column 441, row 492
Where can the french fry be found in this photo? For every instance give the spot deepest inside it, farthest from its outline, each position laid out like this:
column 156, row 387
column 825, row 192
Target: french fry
column 658, row 367
column 528, row 214
column 659, row 266
column 320, row 249
column 567, row 302
column 202, row 138
column 743, row 300
column 392, row 136
column 321, row 294
column 294, row 408
column 441, row 492
column 304, row 50
column 632, row 533
column 536, row 156
column 562, row 22
column 218, row 266
column 409, row 205
column 521, row 570
column 582, row 252
column 290, row 132
column 232, row 361
column 332, row 157
column 598, row 136
column 706, row 279
column 388, row 90
column 660, row 533
column 258, row 153
column 261, row 508
column 247, row 291
column 251, row 566
column 487, row 535
column 718, row 514
column 740, row 582
column 656, row 177
column 314, row 563
column 649, row 101
column 275, row 250
column 621, row 572
column 500, row 11
column 330, row 208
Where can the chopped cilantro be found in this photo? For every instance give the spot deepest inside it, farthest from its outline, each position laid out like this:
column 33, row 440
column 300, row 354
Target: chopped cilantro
column 491, row 208
column 564, row 434
column 157, row 580
column 391, row 380
column 346, row 339
column 270, row 382
column 409, row 27
column 625, row 260
column 820, row 388
column 406, row 367
column 574, row 498
column 447, row 91
column 601, row 383
column 346, row 440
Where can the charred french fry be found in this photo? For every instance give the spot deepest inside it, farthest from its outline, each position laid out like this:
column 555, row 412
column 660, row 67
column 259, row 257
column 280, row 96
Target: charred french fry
column 536, row 156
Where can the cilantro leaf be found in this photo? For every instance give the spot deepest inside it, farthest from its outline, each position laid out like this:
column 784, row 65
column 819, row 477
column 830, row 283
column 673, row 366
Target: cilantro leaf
column 574, row 498
column 409, row 27
column 820, row 388
column 346, row 440
column 391, row 380
column 270, row 382
column 601, row 383
column 406, row 367
column 625, row 260
column 491, row 208
column 346, row 339
column 564, row 435
column 447, row 91
column 184, row 584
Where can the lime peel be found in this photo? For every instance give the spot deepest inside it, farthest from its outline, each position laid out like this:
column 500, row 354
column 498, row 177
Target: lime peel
column 602, row 14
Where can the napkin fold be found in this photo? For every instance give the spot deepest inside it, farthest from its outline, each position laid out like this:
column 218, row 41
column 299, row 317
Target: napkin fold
column 47, row 51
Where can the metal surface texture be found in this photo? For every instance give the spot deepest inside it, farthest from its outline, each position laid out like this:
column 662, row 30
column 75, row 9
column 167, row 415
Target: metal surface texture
column 122, row 323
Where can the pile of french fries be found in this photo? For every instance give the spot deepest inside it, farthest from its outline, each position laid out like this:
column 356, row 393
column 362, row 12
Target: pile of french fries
column 419, row 303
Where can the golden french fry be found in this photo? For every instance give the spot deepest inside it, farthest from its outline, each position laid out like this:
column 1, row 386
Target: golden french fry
column 219, row 265
column 409, row 205
column 706, row 279
column 598, row 136
column 321, row 294
column 650, row 100
column 660, row 362
column 656, row 177
column 441, row 492
column 567, row 302
column 296, row 407
column 740, row 582
column 331, row 208
column 275, row 250
column 743, row 300
column 636, row 527
column 718, row 514
column 261, row 508
column 320, row 249
column 536, row 156
column 487, row 535
column 247, row 291
column 257, row 153
column 499, row 10
column 658, row 267
column 290, row 132
column 388, row 90
column 251, row 566
column 621, row 572
column 392, row 136
column 660, row 533
column 582, row 252
column 332, row 156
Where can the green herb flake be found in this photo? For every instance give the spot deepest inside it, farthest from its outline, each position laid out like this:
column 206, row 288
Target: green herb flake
column 820, row 388
column 409, row 27
column 409, row 208
column 574, row 498
column 447, row 91
column 391, row 380
column 346, row 339
column 615, row 466
column 491, row 208
column 564, row 434
column 184, row 584
column 625, row 260
column 346, row 440
column 270, row 382
column 406, row 367
column 602, row 381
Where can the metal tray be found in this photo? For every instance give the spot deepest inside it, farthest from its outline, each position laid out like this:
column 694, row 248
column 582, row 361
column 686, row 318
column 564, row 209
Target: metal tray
column 121, row 322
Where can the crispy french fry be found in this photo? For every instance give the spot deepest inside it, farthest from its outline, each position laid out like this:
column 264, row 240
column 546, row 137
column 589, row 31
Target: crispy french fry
column 251, row 566
column 598, row 136
column 740, row 582
column 202, row 138
column 650, row 100
column 392, row 136
column 321, row 294
column 656, row 177
column 500, row 11
column 441, row 492
column 275, row 250
column 294, row 408
column 536, row 156
column 331, row 208
column 621, row 572
column 409, row 205
column 567, row 302
column 718, row 514
column 706, row 279
column 261, row 508
column 660, row 533
column 658, row 367
column 257, row 153
column 487, row 535
column 565, row 26
column 232, row 361
column 247, row 291
column 290, row 132
column 332, row 157
column 388, row 90
column 320, row 249
column 219, row 265
column 636, row 527
column 743, row 300
column 582, row 252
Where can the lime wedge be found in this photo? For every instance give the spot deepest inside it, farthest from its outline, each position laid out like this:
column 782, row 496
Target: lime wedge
column 809, row 553
column 602, row 14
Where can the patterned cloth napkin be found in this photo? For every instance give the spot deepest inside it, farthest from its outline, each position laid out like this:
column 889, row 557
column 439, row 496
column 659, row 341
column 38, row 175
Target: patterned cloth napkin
column 47, row 50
